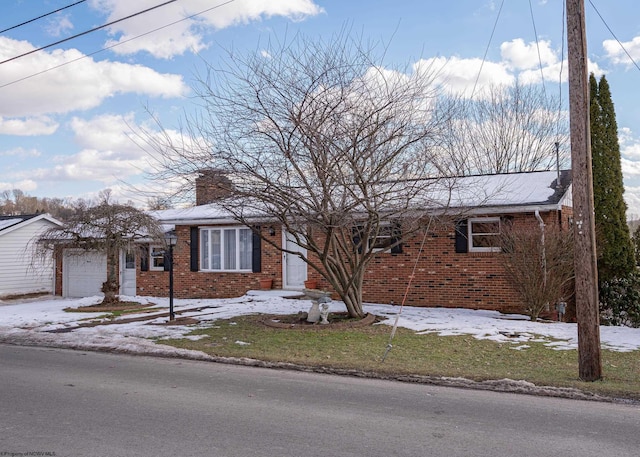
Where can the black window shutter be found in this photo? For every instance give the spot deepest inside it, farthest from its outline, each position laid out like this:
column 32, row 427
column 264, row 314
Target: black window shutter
column 256, row 251
column 396, row 236
column 462, row 237
column 144, row 258
column 357, row 238
column 194, row 249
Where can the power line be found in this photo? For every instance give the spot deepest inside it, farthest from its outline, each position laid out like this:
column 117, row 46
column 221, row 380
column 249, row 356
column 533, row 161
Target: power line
column 40, row 17
column 484, row 58
column 561, row 65
column 614, row 35
column 535, row 32
column 88, row 31
column 116, row 44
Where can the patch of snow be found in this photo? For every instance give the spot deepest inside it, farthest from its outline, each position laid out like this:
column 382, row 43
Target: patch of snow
column 32, row 322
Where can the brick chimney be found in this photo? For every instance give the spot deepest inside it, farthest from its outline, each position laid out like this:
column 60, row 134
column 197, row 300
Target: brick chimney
column 212, row 185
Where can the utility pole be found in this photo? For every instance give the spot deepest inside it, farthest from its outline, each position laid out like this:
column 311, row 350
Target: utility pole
column 585, row 263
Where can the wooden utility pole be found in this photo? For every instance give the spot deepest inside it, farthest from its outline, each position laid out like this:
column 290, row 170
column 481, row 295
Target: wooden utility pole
column 585, row 264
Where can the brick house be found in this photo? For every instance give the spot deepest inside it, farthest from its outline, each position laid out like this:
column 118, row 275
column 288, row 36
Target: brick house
column 458, row 267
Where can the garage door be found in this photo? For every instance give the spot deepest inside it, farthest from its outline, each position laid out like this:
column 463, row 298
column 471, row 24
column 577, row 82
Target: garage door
column 83, row 273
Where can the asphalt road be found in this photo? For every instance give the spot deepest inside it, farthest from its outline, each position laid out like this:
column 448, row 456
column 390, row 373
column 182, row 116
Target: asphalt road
column 77, row 403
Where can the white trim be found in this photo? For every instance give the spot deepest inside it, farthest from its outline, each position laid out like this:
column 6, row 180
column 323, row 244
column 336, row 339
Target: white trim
column 470, row 233
column 151, row 257
column 123, row 271
column 385, row 225
column 221, row 229
column 458, row 211
column 29, row 221
column 286, row 279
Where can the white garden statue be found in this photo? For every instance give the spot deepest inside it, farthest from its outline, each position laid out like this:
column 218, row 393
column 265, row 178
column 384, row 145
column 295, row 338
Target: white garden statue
column 324, row 313
column 313, row 315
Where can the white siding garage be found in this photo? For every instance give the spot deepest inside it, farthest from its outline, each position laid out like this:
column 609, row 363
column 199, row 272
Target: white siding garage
column 83, row 273
column 22, row 270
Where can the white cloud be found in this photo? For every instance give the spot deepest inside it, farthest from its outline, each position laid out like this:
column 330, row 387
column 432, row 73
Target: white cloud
column 632, row 198
column 630, row 168
column 458, row 76
column 91, row 165
column 109, row 155
column 557, row 72
column 26, row 185
column 187, row 33
column 520, row 56
column 629, row 144
column 82, row 85
column 105, row 132
column 618, row 55
column 20, row 152
column 59, row 25
column 40, row 125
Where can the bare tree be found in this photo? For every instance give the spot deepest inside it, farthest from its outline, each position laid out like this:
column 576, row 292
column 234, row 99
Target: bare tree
column 16, row 202
column 158, row 202
column 323, row 139
column 106, row 227
column 508, row 129
column 539, row 265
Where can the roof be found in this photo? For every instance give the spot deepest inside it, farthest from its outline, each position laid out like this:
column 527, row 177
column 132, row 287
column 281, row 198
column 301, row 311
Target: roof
column 514, row 191
column 508, row 192
column 10, row 223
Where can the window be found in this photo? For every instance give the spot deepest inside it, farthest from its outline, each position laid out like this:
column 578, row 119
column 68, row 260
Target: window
column 130, row 260
column 226, row 249
column 383, row 240
column 386, row 240
column 156, row 257
column 484, row 234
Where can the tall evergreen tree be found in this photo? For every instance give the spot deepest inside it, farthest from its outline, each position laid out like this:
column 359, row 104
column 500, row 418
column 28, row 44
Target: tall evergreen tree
column 615, row 251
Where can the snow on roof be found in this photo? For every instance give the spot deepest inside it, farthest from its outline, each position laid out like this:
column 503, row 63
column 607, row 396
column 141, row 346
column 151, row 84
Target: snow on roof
column 500, row 191
column 515, row 189
column 201, row 212
column 10, row 223
column 4, row 223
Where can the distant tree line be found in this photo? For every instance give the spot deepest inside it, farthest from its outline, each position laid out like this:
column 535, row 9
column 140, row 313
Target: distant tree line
column 15, row 202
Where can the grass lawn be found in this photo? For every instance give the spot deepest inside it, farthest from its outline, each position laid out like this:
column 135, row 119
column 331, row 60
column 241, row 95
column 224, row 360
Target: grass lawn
column 363, row 348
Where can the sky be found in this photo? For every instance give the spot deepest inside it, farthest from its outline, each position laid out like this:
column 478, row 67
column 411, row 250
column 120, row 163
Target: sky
column 68, row 112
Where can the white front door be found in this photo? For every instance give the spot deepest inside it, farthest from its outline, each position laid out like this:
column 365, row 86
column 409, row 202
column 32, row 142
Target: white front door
column 294, row 268
column 128, row 272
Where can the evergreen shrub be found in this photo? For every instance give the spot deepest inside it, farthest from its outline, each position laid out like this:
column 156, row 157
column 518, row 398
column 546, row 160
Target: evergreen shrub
column 620, row 301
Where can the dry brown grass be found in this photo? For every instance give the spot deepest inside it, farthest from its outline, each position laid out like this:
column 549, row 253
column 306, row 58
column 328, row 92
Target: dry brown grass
column 363, row 348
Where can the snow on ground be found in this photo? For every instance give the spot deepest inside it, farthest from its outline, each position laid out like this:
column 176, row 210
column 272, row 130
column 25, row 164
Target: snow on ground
column 32, row 322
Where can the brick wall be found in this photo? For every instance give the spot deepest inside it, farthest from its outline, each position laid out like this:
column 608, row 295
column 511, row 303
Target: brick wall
column 211, row 185
column 207, row 284
column 442, row 278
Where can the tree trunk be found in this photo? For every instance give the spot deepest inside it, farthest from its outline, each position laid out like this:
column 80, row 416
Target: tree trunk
column 352, row 298
column 110, row 286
